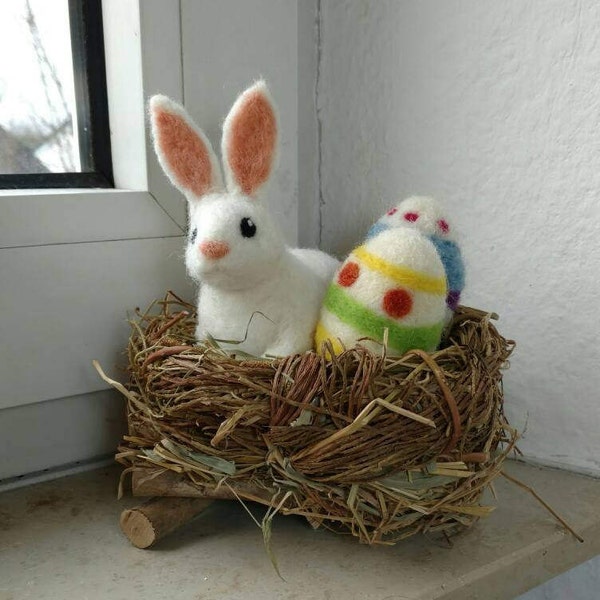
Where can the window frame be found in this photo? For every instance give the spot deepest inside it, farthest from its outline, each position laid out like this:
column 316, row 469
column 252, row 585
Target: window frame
column 89, row 73
column 143, row 204
column 143, row 209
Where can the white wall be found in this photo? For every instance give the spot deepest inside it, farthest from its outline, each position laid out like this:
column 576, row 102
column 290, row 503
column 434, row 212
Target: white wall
column 494, row 107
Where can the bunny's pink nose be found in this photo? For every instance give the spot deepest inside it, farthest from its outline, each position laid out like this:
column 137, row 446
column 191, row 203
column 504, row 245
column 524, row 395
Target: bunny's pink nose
column 214, row 250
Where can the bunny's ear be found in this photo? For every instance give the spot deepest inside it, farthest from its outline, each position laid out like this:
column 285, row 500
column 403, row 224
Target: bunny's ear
column 183, row 150
column 249, row 145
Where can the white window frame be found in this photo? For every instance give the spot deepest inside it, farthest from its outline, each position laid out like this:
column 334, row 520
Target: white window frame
column 143, row 57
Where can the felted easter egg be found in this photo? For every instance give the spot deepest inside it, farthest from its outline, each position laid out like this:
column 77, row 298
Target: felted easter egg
column 429, row 216
column 395, row 281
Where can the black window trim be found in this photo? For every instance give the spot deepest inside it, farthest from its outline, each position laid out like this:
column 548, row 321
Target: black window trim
column 89, row 70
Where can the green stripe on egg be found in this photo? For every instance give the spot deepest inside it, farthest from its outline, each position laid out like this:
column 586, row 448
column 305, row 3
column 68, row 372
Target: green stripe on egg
column 370, row 324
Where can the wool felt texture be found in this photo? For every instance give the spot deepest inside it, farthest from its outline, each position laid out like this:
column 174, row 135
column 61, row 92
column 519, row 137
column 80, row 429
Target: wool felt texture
column 450, row 254
column 256, row 294
column 416, row 280
column 183, row 150
column 214, row 250
column 369, row 324
column 429, row 216
column 394, row 282
column 250, row 140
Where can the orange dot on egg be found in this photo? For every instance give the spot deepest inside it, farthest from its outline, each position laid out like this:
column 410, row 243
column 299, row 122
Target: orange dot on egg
column 397, row 303
column 349, row 274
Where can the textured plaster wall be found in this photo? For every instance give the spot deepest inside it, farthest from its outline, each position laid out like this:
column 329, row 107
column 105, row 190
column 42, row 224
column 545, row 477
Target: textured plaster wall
column 494, row 107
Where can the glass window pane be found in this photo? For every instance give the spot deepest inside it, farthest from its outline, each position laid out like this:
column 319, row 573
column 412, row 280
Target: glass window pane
column 38, row 116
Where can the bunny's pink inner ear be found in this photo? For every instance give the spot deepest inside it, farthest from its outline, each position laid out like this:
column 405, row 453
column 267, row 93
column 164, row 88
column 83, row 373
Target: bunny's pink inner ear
column 183, row 152
column 250, row 140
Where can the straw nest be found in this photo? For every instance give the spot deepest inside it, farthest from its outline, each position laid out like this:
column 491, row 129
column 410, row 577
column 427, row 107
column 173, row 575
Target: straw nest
column 377, row 446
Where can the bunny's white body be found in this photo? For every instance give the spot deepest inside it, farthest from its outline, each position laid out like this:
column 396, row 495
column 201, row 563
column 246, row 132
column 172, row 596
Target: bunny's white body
column 256, row 294
column 272, row 322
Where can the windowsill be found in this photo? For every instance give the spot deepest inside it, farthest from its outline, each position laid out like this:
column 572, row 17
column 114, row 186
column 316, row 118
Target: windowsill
column 32, row 218
column 8, row 193
column 62, row 540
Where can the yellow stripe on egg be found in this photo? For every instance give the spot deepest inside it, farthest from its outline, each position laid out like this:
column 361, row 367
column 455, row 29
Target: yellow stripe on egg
column 322, row 335
column 402, row 275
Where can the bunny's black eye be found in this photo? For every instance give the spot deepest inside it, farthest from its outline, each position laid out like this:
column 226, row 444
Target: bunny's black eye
column 247, row 227
column 193, row 235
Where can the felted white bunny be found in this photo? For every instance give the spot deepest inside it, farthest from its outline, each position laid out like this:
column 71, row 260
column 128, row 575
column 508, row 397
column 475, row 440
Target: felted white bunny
column 254, row 289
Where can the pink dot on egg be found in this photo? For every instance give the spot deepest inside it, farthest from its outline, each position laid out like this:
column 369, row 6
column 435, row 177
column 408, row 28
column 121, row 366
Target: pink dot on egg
column 411, row 217
column 392, row 212
column 443, row 225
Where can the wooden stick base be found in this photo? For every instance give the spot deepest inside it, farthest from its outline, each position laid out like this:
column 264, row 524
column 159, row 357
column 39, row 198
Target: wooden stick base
column 147, row 524
column 158, row 482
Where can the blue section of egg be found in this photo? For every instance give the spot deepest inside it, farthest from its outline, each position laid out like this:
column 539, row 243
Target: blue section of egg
column 452, row 260
column 376, row 228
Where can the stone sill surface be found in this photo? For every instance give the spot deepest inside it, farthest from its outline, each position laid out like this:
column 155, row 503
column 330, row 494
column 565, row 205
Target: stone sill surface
column 60, row 540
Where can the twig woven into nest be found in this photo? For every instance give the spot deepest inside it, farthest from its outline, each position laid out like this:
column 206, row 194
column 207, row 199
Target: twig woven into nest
column 377, row 446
